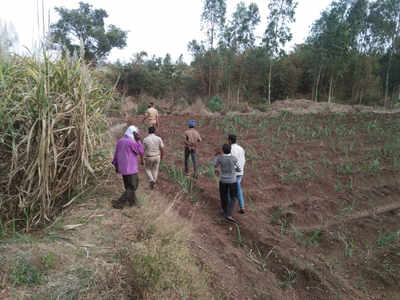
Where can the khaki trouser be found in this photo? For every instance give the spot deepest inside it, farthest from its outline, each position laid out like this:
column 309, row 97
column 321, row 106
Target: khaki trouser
column 152, row 123
column 151, row 165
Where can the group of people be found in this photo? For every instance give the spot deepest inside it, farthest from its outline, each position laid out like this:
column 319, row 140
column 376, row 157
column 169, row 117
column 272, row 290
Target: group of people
column 131, row 149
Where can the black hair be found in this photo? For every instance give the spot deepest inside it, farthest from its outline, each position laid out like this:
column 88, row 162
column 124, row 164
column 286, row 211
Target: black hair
column 232, row 138
column 226, row 148
column 152, row 129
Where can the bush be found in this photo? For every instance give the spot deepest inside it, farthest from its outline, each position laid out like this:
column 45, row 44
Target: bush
column 215, row 104
column 142, row 107
column 263, row 107
column 23, row 272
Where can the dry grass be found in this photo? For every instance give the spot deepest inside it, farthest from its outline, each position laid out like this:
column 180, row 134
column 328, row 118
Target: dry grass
column 51, row 115
column 136, row 253
column 160, row 263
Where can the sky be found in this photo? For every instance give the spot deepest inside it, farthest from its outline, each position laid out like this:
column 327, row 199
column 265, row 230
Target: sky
column 155, row 26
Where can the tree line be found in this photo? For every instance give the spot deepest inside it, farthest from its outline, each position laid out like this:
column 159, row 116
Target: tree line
column 351, row 54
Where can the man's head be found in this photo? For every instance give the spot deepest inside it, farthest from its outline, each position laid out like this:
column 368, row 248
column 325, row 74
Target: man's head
column 152, row 129
column 192, row 123
column 226, row 148
column 232, row 139
column 151, row 104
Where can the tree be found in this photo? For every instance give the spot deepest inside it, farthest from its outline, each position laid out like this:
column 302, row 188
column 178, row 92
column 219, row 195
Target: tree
column 336, row 38
column 8, row 38
column 277, row 34
column 86, row 25
column 384, row 22
column 213, row 18
column 239, row 36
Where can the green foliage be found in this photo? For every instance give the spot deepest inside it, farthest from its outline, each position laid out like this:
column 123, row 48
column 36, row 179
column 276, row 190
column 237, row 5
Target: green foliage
column 239, row 34
column 177, row 175
column 49, row 261
column 24, row 272
column 86, row 25
column 387, row 238
column 142, row 107
column 277, row 33
column 215, row 104
column 213, row 18
column 281, row 218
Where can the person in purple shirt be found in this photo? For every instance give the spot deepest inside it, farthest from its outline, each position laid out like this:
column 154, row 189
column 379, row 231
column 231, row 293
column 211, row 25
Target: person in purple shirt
column 125, row 161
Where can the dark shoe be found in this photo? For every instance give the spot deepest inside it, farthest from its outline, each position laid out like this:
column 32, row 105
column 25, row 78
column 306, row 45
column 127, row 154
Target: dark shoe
column 117, row 205
column 241, row 211
column 230, row 219
column 152, row 183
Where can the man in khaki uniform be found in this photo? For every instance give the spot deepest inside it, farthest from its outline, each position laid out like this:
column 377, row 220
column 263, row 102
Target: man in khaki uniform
column 151, row 116
column 153, row 154
column 192, row 138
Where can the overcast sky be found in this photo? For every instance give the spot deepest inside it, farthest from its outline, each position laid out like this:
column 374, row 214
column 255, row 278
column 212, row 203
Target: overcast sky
column 155, row 26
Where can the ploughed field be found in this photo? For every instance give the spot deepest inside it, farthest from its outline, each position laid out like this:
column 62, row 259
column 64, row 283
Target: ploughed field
column 322, row 200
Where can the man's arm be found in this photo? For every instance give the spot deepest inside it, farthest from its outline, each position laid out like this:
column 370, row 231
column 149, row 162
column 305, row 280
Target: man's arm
column 236, row 164
column 115, row 160
column 157, row 121
column 161, row 153
column 138, row 148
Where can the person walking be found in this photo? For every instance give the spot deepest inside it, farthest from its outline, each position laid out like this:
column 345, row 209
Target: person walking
column 125, row 161
column 192, row 138
column 227, row 183
column 153, row 154
column 151, row 116
column 238, row 152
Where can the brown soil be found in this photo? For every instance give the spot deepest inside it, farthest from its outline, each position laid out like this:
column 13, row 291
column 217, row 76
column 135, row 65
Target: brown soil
column 320, row 222
column 322, row 214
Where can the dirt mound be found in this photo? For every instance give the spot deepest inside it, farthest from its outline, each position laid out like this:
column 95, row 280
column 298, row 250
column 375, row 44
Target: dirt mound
column 198, row 109
column 304, row 106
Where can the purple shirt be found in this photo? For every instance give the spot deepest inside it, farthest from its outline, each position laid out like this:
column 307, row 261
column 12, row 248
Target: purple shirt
column 126, row 155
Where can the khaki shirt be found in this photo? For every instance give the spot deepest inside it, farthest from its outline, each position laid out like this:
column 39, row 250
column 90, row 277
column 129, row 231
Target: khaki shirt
column 151, row 115
column 192, row 138
column 151, row 145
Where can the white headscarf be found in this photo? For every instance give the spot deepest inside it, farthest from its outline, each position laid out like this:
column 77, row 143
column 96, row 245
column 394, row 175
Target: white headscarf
column 131, row 129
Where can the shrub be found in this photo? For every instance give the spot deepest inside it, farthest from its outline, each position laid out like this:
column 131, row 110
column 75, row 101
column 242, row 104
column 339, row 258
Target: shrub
column 215, row 104
column 142, row 107
column 23, row 272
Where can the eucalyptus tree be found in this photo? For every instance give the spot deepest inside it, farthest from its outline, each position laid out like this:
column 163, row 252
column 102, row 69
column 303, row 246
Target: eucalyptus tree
column 8, row 38
column 213, row 21
column 384, row 19
column 239, row 37
column 277, row 34
column 335, row 37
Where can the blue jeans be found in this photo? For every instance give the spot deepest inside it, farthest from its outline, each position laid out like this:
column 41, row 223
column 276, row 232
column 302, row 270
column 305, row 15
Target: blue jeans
column 240, row 192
